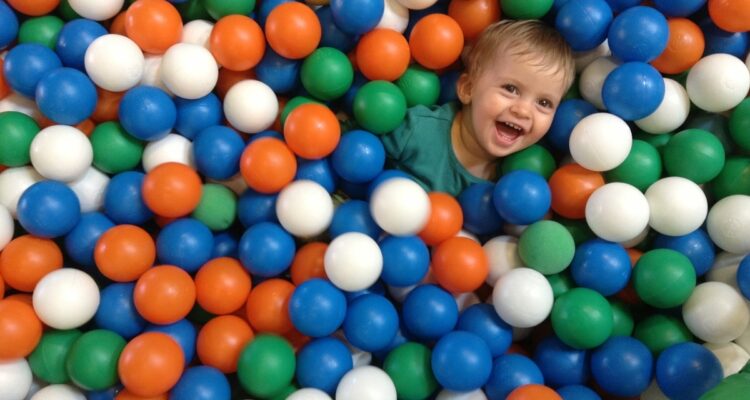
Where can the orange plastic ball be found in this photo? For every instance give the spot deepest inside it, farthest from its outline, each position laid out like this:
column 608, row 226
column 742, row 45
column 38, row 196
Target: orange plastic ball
column 20, row 329
column 533, row 392
column 34, row 8
column 2, row 287
column 27, row 259
column 154, row 25
column 237, row 42
column 267, row 307
column 221, row 340
column 446, row 219
column 383, row 54
column 571, row 186
column 308, row 263
column 228, row 78
column 107, row 105
column 473, row 16
column 460, row 265
column 312, row 131
column 124, row 252
column 150, row 364
column 267, row 165
column 164, row 294
column 4, row 88
column 436, row 41
column 172, row 190
column 684, row 47
column 730, row 15
column 222, row 286
column 293, row 30
column 118, row 24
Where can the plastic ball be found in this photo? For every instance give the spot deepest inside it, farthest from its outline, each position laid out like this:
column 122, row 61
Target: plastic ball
column 18, row 131
column 459, row 265
column 417, row 4
column 150, row 364
column 21, row 329
column 96, row 10
column 583, row 37
column 267, row 165
column 405, row 260
column 293, row 30
column 527, row 9
column 419, row 86
column 221, row 341
column 358, row 16
column 371, row 322
column 353, row 261
column 254, row 207
column 27, row 259
column 354, row 216
column 446, row 219
column 522, row 297
column 237, row 42
column 582, row 318
column 684, row 47
column 695, row 154
column 480, row 214
column 400, row 206
column 678, row 206
column 359, row 156
column 511, row 371
column 322, row 362
column 222, row 286
column 687, row 370
column 9, row 31
column 395, row 16
column 409, row 367
column 671, row 113
column 26, row 64
column 335, row 65
column 622, row 366
column 189, row 83
column 164, row 294
column 6, row 227
column 696, row 245
column 657, row 268
column 201, row 383
column 738, row 121
column 522, row 197
column 571, row 185
column 366, row 383
column 171, row 148
column 382, row 54
column 461, row 361
column 304, row 208
column 114, row 149
column 317, row 308
column 73, row 40
column 250, row 106
column 502, row 254
column 561, row 364
column 66, row 96
column 638, row 34
column 631, row 81
column 379, row 106
column 436, row 41
column 547, row 247
column 90, row 189
column 429, row 312
column 114, row 62
column 597, row 148
column 718, row 82
column 483, row 321
column 59, row 392
column 617, row 212
column 48, row 209
column 92, row 360
column 718, row 40
column 266, row 249
column 312, row 131
column 309, row 394
column 729, row 15
column 61, row 153
column 592, row 78
column 123, row 201
column 66, row 298
column 217, row 151
column 48, row 359
column 658, row 332
column 715, row 313
column 186, row 243
column 602, row 266
column 726, row 223
column 117, row 312
column 124, row 252
column 153, row 25
column 172, row 190
column 147, row 113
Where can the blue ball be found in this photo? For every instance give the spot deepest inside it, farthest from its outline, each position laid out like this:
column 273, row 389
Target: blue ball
column 319, row 171
column 48, row 209
column 577, row 392
column 721, row 41
column 317, row 308
column 352, row 190
column 322, row 363
column 193, row 116
column 638, row 34
column 357, row 16
column 687, row 371
column 678, row 8
column 105, row 394
column 406, row 260
column 350, row 94
column 510, row 371
column 26, row 64
column 584, row 23
column 622, row 366
column 183, row 332
column 384, row 176
column 254, row 208
column 81, row 241
column 602, row 266
column 461, row 361
column 117, row 311
column 696, row 245
column 279, row 73
column 569, row 113
column 354, row 216
column 266, row 249
column 376, row 288
column 359, row 156
column 371, row 322
column 123, row 202
column 522, row 197
column 482, row 320
column 225, row 245
column 633, row 90
column 147, row 113
column 8, row 25
column 217, row 151
column 561, row 364
column 201, row 383
column 429, row 312
column 331, row 35
column 743, row 277
column 480, row 214
column 186, row 243
column 619, row 6
column 448, row 82
column 266, row 133
column 66, row 96
column 74, row 39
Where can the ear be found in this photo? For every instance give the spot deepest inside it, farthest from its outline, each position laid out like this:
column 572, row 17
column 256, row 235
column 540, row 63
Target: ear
column 463, row 88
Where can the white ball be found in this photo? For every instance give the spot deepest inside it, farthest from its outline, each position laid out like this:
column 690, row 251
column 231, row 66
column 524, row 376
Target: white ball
column 15, row 379
column 152, row 73
column 502, row 254
column 592, row 78
column 189, row 70
column 114, row 62
column 197, row 31
column 617, row 212
column 724, row 269
column 395, row 16
column 584, row 58
column 61, row 153
column 715, row 313
column 236, row 184
column 18, row 102
column 353, row 261
column 6, row 227
column 366, row 383
column 718, row 82
column 251, row 106
column 446, row 394
column 309, row 394
column 466, row 300
column 600, row 142
column 731, row 356
column 66, row 298
column 523, row 297
column 58, row 392
column 304, row 208
column 98, row 10
column 90, row 189
column 417, row 4
column 638, row 239
column 13, row 182
column 170, row 148
column 744, row 340
column 728, row 224
column 400, row 206
column 677, row 206
column 671, row 113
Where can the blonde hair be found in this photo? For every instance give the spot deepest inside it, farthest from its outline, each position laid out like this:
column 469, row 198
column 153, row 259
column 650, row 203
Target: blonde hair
column 532, row 40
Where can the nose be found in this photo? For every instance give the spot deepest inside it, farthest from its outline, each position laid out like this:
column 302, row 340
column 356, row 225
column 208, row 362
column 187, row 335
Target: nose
column 521, row 109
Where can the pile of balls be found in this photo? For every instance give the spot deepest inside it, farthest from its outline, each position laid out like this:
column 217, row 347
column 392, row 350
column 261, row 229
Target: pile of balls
column 195, row 204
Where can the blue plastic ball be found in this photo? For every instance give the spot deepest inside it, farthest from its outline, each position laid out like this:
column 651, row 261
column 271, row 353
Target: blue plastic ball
column 183, row 332
column 317, row 308
column 448, row 82
column 584, row 23
column 429, row 312
column 279, row 73
column 322, row 363
column 480, row 214
column 186, row 243
column 354, row 216
column 66, row 96
column 510, row 371
column 522, row 197
column 225, row 245
column 678, row 8
column 721, row 41
column 147, row 113
column 8, row 25
column 633, row 90
column 687, row 371
column 577, row 392
column 406, row 260
column 357, row 16
column 619, row 6
column 26, row 64
column 74, row 39
column 482, row 320
column 319, row 171
column 266, row 249
column 266, row 133
column 359, row 156
column 377, row 288
column 351, row 94
column 217, row 151
column 638, row 34
column 569, row 113
column 461, row 361
column 561, row 364
column 358, row 191
column 193, row 116
column 201, row 383
column 696, row 245
column 622, row 366
column 117, row 311
column 48, row 209
column 371, row 322
column 81, row 241
column 123, row 202
column 254, row 208
column 743, row 277
column 331, row 35
column 602, row 266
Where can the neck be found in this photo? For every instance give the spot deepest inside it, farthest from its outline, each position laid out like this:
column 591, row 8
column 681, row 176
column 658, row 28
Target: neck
column 469, row 153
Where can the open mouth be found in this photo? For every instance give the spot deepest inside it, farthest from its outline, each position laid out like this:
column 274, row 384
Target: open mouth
column 508, row 131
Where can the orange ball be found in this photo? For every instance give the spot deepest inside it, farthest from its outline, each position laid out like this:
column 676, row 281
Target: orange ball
column 34, row 8
column 154, row 25
column 2, row 287
column 4, row 88
column 125, row 394
column 222, row 286
column 383, row 54
column 221, row 340
column 312, row 131
column 267, row 165
column 228, row 78
column 473, row 16
column 460, row 264
column 237, row 42
column 268, row 307
column 164, row 294
column 107, row 105
column 436, row 41
column 150, row 364
column 730, row 15
column 20, row 329
column 571, row 186
column 308, row 263
column 117, row 26
column 172, row 190
column 533, row 392
column 27, row 259
column 684, row 47
column 124, row 252
column 446, row 219
column 293, row 30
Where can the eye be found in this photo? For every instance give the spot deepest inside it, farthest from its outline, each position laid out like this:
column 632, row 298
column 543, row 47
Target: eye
column 510, row 88
column 546, row 103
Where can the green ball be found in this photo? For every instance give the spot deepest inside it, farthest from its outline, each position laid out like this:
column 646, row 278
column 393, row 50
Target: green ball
column 711, row 122
column 221, row 8
column 327, row 73
column 66, row 11
column 198, row 315
column 582, row 318
column 410, row 368
column 379, row 106
column 293, row 103
column 694, row 154
column 734, row 178
column 739, row 125
column 17, row 130
column 561, row 283
column 641, row 168
column 658, row 332
column 266, row 366
column 217, row 208
column 286, row 392
column 115, row 150
column 420, row 86
column 547, row 247
column 622, row 319
column 659, row 142
column 47, row 361
column 526, row 9
column 578, row 228
column 192, row 10
column 534, row 158
column 41, row 30
column 92, row 361
column 664, row 278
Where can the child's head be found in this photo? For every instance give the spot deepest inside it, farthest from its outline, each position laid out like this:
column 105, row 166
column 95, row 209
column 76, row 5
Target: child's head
column 516, row 75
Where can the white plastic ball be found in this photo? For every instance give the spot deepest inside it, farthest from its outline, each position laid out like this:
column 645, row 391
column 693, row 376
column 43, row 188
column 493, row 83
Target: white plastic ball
column 400, row 206
column 600, row 142
column 731, row 356
column 724, row 269
column 304, row 208
column 417, row 4
column 90, row 189
column 152, row 73
column 61, row 153
column 584, row 58
column 13, row 182
column 15, row 379
column 353, row 261
column 58, row 392
column 98, row 10
column 468, row 235
column 744, row 340
column 715, row 313
column 197, row 31
column 617, row 212
column 309, row 394
column 66, row 298
column 718, row 82
column 592, row 78
column 366, row 383
column 170, row 148
column 114, row 62
column 20, row 103
column 466, row 300
column 6, row 227
column 236, row 184
column 251, row 106
column 638, row 239
column 728, row 224
column 677, row 206
column 189, row 70
column 671, row 113
column 446, row 394
column 395, row 16
column 502, row 254
column 523, row 297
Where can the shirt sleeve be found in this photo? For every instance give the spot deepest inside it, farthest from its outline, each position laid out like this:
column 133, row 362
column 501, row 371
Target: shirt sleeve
column 395, row 142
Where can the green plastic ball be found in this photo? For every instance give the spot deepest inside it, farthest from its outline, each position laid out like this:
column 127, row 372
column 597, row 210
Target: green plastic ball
column 694, row 154
column 659, row 142
column 379, row 107
column 92, row 361
column 582, row 318
column 658, row 332
column 534, row 158
column 526, row 9
column 715, row 123
column 547, row 247
column 286, row 392
column 739, row 125
column 47, row 361
column 664, row 278
column 115, row 150
column 561, row 283
column 17, row 130
column 66, row 11
column 578, row 228
column 41, row 30
column 622, row 319
column 641, row 168
column 420, row 86
column 734, row 178
column 192, row 10
column 327, row 73
column 293, row 103
column 266, row 366
column 409, row 367
column 221, row 8
column 217, row 208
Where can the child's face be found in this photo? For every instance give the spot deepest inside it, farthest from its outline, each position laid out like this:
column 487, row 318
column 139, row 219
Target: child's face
column 511, row 103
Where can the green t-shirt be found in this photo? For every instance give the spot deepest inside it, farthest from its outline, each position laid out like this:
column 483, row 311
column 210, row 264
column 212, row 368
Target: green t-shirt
column 422, row 147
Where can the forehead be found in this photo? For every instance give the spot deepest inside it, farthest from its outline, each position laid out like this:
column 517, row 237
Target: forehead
column 529, row 68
